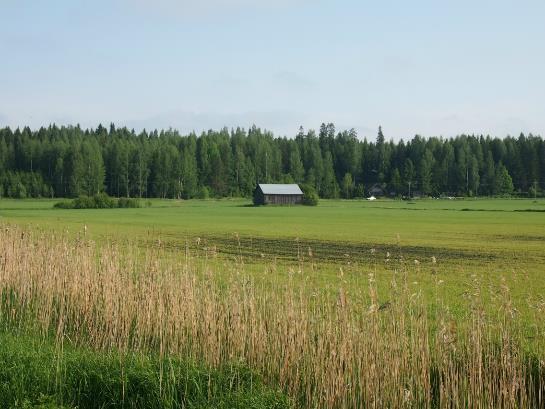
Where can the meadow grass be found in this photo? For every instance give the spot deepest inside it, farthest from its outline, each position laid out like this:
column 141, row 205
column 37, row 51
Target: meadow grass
column 346, row 349
column 469, row 223
column 429, row 303
column 40, row 373
column 495, row 238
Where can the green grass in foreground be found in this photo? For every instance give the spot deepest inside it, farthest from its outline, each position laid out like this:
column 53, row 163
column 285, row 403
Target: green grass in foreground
column 36, row 374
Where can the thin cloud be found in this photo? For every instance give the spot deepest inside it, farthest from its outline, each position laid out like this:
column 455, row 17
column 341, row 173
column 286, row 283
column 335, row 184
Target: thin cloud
column 188, row 8
column 292, row 79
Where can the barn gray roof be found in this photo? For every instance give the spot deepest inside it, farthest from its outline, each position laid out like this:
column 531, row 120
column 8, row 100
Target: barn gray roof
column 279, row 189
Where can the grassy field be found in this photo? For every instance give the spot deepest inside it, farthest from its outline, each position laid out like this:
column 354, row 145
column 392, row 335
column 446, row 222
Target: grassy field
column 445, row 287
column 508, row 228
column 490, row 237
column 495, row 238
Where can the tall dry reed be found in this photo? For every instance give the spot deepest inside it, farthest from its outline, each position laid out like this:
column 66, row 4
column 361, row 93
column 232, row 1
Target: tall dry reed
column 326, row 352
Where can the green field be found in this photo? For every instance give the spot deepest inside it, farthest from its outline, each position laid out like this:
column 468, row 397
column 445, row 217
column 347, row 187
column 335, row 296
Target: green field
column 483, row 233
column 461, row 261
column 495, row 238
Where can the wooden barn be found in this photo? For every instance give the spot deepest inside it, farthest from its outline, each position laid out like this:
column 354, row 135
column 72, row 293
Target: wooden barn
column 279, row 194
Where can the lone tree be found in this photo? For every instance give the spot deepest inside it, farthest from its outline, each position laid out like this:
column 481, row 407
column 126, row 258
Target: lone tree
column 504, row 182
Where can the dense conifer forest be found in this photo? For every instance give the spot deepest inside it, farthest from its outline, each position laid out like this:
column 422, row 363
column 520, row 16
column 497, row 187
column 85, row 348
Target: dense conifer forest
column 69, row 161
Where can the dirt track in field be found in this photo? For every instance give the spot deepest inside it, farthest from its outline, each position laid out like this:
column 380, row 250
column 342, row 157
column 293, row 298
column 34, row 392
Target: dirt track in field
column 256, row 248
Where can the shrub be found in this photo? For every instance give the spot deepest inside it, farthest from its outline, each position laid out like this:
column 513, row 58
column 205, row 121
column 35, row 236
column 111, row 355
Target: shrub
column 126, row 202
column 310, row 197
column 99, row 201
column 204, row 193
column 103, row 201
column 84, row 202
column 65, row 204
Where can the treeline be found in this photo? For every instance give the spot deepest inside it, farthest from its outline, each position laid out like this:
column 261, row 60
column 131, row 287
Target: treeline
column 69, row 162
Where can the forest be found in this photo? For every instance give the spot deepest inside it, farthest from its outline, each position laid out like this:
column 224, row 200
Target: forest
column 69, row 161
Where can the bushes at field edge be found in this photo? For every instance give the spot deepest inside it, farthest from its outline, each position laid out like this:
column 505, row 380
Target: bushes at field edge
column 310, row 197
column 99, row 201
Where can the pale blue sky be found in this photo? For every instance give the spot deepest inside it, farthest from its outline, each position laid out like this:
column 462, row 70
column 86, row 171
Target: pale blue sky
column 426, row 67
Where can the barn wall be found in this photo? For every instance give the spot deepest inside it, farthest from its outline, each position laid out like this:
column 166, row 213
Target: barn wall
column 283, row 199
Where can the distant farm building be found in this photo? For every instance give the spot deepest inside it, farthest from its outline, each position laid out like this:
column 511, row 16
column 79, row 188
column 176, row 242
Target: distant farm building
column 376, row 190
column 278, row 194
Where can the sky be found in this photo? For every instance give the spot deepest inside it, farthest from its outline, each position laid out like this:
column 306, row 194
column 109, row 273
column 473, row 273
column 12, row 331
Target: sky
column 433, row 68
